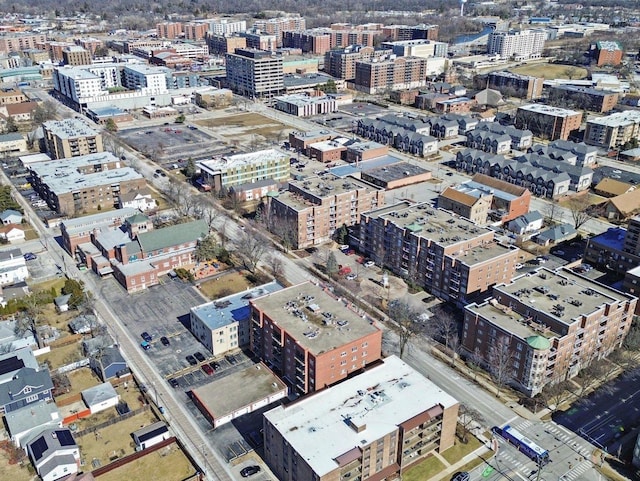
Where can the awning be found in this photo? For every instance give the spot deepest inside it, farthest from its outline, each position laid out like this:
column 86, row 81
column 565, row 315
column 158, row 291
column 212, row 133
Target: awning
column 103, row 271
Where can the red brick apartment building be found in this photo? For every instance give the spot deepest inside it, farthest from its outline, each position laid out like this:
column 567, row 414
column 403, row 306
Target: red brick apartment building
column 300, row 141
column 552, row 123
column 553, row 322
column 169, row 30
column 317, row 42
column 372, row 426
column 315, row 208
column 607, row 52
column 390, row 74
column 450, row 256
column 310, row 338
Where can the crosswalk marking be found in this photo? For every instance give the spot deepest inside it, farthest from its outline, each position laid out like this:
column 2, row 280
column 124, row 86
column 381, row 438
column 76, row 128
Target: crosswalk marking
column 577, row 471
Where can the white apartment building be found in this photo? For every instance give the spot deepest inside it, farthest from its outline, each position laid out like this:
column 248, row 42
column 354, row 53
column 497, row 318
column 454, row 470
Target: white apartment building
column 518, row 44
column 613, row 131
column 109, row 73
column 193, row 51
column 145, row 77
column 226, row 27
column 418, row 48
column 77, row 83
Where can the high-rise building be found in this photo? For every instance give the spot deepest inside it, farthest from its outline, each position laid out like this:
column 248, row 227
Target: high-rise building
column 372, row 426
column 394, row 73
column 76, row 55
column 195, row 30
column 277, row 26
column 17, row 42
column 226, row 27
column 310, row 338
column 517, row 44
column 417, row 48
column 341, row 63
column 169, row 30
column 316, row 41
column 607, row 52
column 255, row 73
column 219, row 44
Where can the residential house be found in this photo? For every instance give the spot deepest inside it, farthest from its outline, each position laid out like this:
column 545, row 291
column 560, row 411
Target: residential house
column 54, row 454
column 622, row 207
column 474, row 208
column 27, row 386
column 150, row 435
column 12, row 361
column 62, row 303
column 556, row 234
column 526, row 224
column 573, row 153
column 100, row 397
column 140, row 199
column 11, row 342
column 109, row 364
column 13, row 267
column 11, row 216
column 23, row 423
column 83, row 324
column 12, row 233
column 13, row 143
column 609, row 187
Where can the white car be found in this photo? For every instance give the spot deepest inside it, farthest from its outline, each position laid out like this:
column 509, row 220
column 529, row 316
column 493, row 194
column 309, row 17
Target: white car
column 369, row 264
column 519, row 266
column 352, row 277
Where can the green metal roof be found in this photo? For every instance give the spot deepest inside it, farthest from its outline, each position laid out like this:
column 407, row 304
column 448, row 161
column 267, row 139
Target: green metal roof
column 137, row 219
column 173, row 235
column 538, row 342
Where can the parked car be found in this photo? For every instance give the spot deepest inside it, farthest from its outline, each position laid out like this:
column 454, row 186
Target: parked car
column 352, row 277
column 145, row 345
column 519, row 266
column 207, row 369
column 146, row 336
column 173, row 382
column 164, row 341
column 231, row 359
column 30, row 256
column 214, row 365
column 249, row 471
column 199, row 356
column 369, row 264
column 191, row 360
column 461, row 476
column 344, row 270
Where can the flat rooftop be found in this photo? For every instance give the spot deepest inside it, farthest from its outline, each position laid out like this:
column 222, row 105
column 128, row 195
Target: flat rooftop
column 576, row 295
column 423, row 220
column 319, row 426
column 396, row 171
column 627, row 117
column 353, row 169
column 613, row 238
column 484, row 253
column 64, row 178
column 234, row 308
column 477, row 190
column 313, row 317
column 240, row 389
column 96, row 221
column 69, row 128
column 240, row 160
column 548, row 110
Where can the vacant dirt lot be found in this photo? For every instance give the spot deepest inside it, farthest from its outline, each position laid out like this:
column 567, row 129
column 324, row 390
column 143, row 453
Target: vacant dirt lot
column 246, row 128
column 551, row 71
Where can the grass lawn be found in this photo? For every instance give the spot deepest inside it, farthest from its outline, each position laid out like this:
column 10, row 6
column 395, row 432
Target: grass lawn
column 30, row 233
column 60, row 356
column 80, row 380
column 170, row 461
column 114, row 440
column 425, row 470
column 550, row 71
column 14, row 471
column 225, row 285
column 471, row 465
column 459, row 450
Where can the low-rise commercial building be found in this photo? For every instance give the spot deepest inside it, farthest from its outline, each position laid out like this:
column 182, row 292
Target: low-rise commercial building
column 311, row 338
column 300, row 141
column 448, row 255
column 552, row 324
column 231, row 170
column 372, row 426
column 71, row 138
column 548, row 122
column 312, row 210
column 306, row 105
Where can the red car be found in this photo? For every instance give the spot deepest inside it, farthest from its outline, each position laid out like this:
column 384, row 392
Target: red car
column 207, row 369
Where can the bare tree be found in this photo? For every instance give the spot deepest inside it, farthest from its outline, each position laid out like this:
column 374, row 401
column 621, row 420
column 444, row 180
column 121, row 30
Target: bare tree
column 445, row 328
column 209, row 214
column 579, row 213
column 467, row 416
column 275, row 264
column 406, row 320
column 251, row 246
column 557, row 393
column 501, row 362
column 553, row 212
column 475, row 362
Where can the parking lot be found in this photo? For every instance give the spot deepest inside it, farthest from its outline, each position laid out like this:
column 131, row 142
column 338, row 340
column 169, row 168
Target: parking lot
column 167, row 144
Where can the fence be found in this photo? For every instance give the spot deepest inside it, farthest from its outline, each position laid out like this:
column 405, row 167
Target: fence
column 131, row 457
column 65, row 341
column 111, row 421
column 73, row 366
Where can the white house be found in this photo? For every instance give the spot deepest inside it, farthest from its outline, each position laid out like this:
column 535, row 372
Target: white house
column 54, row 454
column 140, row 199
column 100, row 397
column 12, row 233
column 10, row 216
column 13, row 267
column 527, row 223
column 150, row 435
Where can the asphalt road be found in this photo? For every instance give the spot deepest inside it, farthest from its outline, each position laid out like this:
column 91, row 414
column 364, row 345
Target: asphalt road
column 604, row 423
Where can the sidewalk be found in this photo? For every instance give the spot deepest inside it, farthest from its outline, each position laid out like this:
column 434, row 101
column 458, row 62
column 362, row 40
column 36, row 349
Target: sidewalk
column 451, row 469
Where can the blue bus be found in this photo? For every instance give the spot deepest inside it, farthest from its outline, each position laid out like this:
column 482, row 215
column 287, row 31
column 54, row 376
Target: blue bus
column 524, row 444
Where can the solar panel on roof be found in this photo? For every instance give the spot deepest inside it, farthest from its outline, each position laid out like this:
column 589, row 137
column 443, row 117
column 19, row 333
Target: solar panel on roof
column 65, row 438
column 152, row 434
column 10, row 364
column 39, row 447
